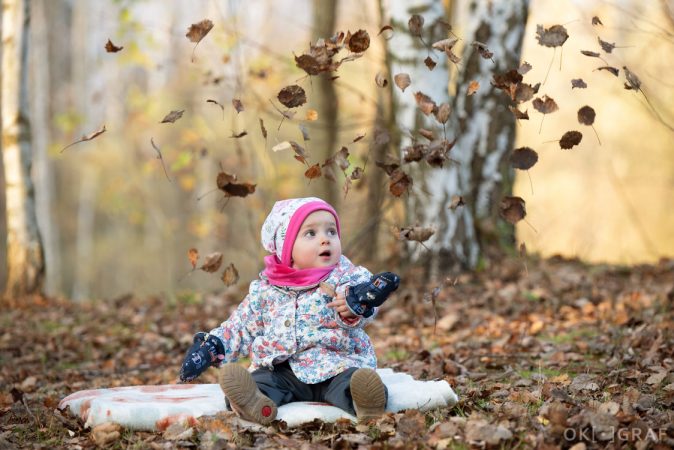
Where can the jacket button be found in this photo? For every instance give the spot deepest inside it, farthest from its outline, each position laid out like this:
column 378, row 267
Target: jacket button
column 287, row 322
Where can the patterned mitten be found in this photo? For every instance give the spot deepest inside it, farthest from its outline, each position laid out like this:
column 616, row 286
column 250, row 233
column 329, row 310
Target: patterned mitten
column 362, row 298
column 207, row 350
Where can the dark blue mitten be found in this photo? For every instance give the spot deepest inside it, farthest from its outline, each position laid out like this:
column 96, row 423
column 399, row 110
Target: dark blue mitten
column 362, row 298
column 204, row 352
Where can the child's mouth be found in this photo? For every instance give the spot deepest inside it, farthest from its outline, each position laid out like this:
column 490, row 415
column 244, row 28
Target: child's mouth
column 325, row 254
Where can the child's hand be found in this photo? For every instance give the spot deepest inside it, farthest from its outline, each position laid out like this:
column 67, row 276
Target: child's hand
column 339, row 305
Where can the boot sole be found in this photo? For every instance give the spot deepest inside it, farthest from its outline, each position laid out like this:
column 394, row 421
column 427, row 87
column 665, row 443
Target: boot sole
column 368, row 394
column 244, row 396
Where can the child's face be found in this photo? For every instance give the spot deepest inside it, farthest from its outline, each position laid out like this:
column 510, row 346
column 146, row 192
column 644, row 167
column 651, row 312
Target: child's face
column 317, row 244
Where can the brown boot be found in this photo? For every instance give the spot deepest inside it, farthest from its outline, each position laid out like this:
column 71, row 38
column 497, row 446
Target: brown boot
column 369, row 394
column 244, row 396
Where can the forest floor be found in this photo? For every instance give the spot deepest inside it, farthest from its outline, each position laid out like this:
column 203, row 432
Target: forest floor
column 555, row 355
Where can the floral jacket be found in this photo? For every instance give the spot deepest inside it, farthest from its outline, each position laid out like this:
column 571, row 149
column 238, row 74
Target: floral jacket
column 274, row 324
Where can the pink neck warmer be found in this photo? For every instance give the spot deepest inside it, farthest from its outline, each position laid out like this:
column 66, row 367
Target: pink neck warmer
column 281, row 273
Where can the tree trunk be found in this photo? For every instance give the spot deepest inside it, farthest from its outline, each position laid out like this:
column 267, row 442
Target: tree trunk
column 485, row 130
column 25, row 271
column 324, row 137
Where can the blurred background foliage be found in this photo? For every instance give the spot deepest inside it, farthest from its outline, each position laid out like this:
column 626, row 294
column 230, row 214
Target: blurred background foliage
column 113, row 223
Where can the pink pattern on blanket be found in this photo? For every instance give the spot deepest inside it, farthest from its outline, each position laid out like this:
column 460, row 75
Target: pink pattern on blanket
column 163, row 424
column 157, row 399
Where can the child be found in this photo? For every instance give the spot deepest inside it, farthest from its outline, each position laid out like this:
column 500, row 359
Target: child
column 304, row 343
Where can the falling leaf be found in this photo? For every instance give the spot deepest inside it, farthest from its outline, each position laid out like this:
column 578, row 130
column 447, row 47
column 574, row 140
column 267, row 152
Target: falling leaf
column 596, row 20
column 160, row 157
column 300, row 154
column 445, row 45
column 613, row 70
column 399, row 182
column 193, row 256
column 437, row 153
column 111, row 48
column 216, row 103
column 238, row 106
column 555, row 36
column 523, row 158
column 482, row 50
column 606, row 46
column 430, row 63
column 457, row 201
column 523, row 92
column 292, row 96
column 506, row 80
column 545, row 105
column 230, row 276
column 523, row 250
column 85, row 138
column 452, row 57
column 524, row 68
column 586, row 115
column 239, row 135
column 198, row 31
column 359, row 42
column 590, row 54
column 415, row 25
column 385, row 28
column 312, row 115
column 341, row 158
column 570, row 138
column 310, row 65
column 402, row 80
column 357, row 173
column 578, row 83
column 263, row 129
column 380, row 80
column 389, row 168
column 417, row 234
column 227, row 183
column 632, row 81
column 304, row 131
column 424, row 102
column 313, row 171
column 359, row 137
column 414, row 152
column 173, row 116
column 473, row 86
column 512, row 209
column 212, row 262
column 285, row 145
column 443, row 112
column 519, row 114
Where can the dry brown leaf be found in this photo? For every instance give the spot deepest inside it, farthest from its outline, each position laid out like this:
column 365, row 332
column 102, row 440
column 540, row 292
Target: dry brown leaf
column 425, row 103
column 399, row 182
column 445, row 45
column 457, row 200
column 586, row 115
column 633, row 82
column 263, row 129
column 519, row 114
column 443, row 112
column 239, row 135
column 523, row 158
column 555, row 36
column 416, row 25
column 359, row 41
column 590, row 54
column 428, row 134
column 381, row 80
column 417, row 234
column 570, row 138
column 227, row 184
column 359, row 137
column 402, row 80
column 512, row 209
column 386, row 28
column 578, row 83
column 212, row 262
column 606, row 46
column 414, row 152
column 85, row 138
column 312, row 115
column 545, row 105
column 193, row 256
column 430, row 63
column 596, row 21
column 237, row 104
column 172, row 116
column 473, row 86
column 230, row 276
column 300, row 154
column 524, row 68
column 613, row 70
column 313, row 171
column 198, row 31
column 112, row 48
column 357, row 173
column 483, row 50
column 292, row 96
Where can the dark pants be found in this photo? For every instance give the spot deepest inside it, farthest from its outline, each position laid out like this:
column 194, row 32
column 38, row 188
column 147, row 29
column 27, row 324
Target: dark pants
column 282, row 386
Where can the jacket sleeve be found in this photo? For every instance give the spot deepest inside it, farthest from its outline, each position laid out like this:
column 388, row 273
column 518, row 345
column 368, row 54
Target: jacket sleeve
column 351, row 277
column 246, row 323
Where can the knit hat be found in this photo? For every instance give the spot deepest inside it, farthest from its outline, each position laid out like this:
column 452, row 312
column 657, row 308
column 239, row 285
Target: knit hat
column 281, row 226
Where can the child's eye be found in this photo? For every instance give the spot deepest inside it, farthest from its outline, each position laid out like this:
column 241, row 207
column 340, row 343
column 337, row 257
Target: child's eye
column 332, row 232
column 310, row 233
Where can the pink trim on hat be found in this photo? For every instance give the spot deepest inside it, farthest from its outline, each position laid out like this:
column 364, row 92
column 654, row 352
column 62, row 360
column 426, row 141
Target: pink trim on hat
column 296, row 222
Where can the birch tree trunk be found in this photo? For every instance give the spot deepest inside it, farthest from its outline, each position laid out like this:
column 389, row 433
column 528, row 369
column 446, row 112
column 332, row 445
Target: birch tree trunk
column 25, row 264
column 485, row 130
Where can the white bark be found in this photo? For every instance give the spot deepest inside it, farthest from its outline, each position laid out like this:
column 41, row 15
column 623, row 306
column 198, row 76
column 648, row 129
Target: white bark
column 24, row 248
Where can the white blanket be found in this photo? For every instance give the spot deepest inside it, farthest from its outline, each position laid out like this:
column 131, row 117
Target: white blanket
column 157, row 407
